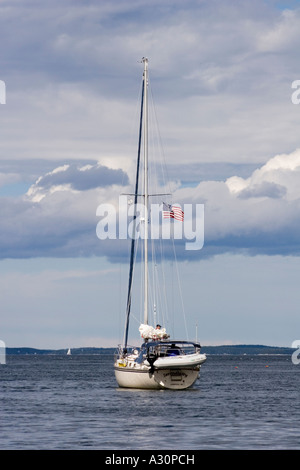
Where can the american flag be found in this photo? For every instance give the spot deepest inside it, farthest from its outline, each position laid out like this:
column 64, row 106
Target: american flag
column 172, row 212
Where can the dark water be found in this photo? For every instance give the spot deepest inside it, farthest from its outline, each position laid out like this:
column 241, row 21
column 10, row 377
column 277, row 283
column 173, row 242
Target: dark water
column 72, row 402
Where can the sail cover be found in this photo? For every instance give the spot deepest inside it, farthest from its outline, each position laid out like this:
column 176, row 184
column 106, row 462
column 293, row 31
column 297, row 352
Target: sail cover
column 148, row 332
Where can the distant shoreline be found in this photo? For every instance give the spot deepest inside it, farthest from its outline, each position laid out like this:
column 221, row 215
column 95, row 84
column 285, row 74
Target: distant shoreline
column 233, row 350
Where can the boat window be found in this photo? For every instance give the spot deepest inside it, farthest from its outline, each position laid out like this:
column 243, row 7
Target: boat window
column 173, row 351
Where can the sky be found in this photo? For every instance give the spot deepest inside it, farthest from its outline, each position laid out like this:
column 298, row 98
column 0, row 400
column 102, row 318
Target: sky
column 222, row 75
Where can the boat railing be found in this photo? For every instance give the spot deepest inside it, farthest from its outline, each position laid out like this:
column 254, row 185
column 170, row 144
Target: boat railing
column 121, row 351
column 164, row 349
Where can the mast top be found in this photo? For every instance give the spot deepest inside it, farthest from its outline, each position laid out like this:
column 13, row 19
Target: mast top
column 145, row 61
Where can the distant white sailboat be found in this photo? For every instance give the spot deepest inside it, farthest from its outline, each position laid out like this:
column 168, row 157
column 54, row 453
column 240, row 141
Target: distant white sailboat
column 160, row 363
column 69, row 352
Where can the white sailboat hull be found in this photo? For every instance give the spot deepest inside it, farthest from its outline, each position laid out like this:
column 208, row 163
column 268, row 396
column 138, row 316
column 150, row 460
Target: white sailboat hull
column 176, row 379
column 175, row 373
column 129, row 378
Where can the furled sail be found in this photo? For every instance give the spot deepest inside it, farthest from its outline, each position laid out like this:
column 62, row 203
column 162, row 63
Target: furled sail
column 148, row 332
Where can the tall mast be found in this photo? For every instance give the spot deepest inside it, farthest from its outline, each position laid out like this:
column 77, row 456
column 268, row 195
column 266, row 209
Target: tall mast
column 132, row 251
column 145, row 60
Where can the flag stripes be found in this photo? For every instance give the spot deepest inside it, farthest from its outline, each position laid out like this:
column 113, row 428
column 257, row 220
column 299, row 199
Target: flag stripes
column 172, row 212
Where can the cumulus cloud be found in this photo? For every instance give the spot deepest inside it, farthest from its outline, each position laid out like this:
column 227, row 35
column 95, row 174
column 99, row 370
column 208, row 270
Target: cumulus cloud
column 258, row 214
column 57, row 215
column 74, row 177
column 278, row 177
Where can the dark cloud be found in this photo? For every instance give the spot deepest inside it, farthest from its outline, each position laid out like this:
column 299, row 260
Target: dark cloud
column 58, row 218
column 84, row 178
column 265, row 189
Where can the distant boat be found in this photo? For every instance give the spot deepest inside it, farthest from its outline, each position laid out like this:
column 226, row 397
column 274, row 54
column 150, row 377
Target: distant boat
column 69, row 352
column 160, row 363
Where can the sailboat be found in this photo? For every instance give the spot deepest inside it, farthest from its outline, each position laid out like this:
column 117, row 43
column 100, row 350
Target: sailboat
column 160, row 362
